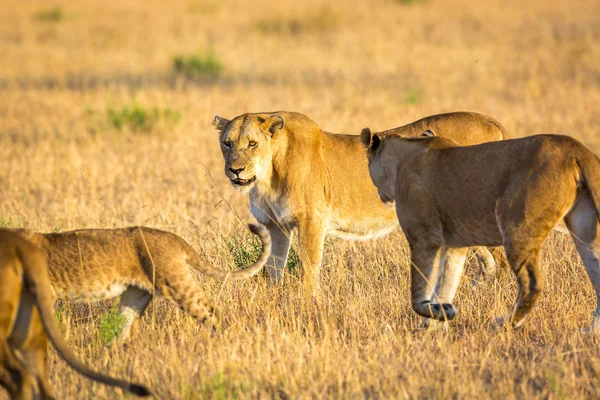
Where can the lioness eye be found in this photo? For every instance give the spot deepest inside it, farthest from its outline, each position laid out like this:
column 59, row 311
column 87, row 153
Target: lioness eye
column 227, row 144
column 252, row 143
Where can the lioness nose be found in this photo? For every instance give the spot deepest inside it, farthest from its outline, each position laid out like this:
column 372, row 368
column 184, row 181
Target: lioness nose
column 237, row 171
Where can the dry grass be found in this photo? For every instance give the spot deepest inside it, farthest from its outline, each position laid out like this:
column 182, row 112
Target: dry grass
column 533, row 65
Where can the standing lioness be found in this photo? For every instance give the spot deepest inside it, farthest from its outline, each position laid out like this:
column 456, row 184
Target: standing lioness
column 27, row 321
column 509, row 193
column 98, row 264
column 301, row 177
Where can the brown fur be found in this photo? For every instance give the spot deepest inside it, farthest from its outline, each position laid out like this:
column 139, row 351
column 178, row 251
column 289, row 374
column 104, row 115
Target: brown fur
column 510, row 193
column 97, row 264
column 27, row 321
column 300, row 177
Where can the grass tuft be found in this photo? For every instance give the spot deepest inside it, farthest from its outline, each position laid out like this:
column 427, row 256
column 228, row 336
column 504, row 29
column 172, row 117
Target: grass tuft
column 321, row 21
column 54, row 14
column 137, row 118
column 198, row 65
column 110, row 325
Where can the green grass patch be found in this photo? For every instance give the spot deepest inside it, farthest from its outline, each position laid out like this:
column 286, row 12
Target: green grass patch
column 137, row 118
column 412, row 2
column 54, row 14
column 413, row 96
column 319, row 21
column 245, row 249
column 198, row 65
column 110, row 325
column 221, row 387
column 9, row 223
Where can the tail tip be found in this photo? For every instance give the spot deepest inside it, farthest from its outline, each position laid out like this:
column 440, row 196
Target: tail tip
column 139, row 390
column 258, row 230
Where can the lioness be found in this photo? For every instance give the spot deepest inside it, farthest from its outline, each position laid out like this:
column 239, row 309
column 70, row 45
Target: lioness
column 298, row 176
column 509, row 193
column 98, row 264
column 27, row 321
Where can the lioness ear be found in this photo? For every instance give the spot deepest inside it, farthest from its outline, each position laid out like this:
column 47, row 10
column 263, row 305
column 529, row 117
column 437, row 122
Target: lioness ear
column 427, row 133
column 220, row 123
column 375, row 142
column 365, row 137
column 274, row 123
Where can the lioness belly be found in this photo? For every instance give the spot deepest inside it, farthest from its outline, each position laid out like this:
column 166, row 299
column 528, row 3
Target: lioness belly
column 362, row 230
column 472, row 233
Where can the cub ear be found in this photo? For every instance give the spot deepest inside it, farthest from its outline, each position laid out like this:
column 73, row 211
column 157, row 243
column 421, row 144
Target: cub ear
column 427, row 133
column 273, row 123
column 220, row 123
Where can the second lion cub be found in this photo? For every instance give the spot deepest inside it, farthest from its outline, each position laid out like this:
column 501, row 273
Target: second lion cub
column 99, row 264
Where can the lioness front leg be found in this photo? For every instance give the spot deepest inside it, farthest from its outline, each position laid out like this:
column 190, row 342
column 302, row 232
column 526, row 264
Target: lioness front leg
column 426, row 261
column 281, row 242
column 311, row 239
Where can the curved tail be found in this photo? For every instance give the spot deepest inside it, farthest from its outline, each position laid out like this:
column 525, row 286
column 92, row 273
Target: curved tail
column 589, row 165
column 36, row 275
column 265, row 239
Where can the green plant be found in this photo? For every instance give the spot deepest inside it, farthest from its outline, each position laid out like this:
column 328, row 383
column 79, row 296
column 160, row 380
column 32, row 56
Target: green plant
column 198, row 65
column 137, row 118
column 221, row 387
column 320, row 21
column 7, row 222
column 411, row 2
column 54, row 14
column 413, row 96
column 111, row 323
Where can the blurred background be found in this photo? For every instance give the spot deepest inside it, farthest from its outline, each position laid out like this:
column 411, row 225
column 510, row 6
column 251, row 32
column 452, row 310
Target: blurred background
column 106, row 112
column 118, row 74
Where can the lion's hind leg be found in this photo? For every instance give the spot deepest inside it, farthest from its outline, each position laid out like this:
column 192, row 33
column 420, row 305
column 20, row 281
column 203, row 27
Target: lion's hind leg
column 582, row 222
column 182, row 289
column 525, row 266
column 133, row 304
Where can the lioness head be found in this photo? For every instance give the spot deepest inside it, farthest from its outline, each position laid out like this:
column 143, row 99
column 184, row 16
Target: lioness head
column 382, row 162
column 379, row 174
column 246, row 147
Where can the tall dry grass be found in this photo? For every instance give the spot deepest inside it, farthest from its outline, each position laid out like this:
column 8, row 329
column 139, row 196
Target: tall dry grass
column 533, row 65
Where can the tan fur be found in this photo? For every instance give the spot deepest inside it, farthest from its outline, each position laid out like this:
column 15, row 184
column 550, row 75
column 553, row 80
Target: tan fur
column 26, row 322
column 510, row 193
column 298, row 176
column 97, row 264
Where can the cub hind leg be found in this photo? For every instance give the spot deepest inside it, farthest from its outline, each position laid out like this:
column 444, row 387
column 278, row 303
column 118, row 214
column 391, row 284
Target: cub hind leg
column 133, row 304
column 181, row 288
column 582, row 222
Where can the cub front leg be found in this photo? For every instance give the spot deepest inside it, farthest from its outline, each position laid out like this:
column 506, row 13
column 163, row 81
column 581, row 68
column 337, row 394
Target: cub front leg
column 311, row 239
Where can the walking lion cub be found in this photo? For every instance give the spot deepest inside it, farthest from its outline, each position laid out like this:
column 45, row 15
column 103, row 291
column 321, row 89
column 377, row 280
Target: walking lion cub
column 509, row 193
column 137, row 262
column 27, row 321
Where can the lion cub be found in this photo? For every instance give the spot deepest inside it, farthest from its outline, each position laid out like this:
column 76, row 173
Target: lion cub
column 510, row 193
column 27, row 321
column 137, row 262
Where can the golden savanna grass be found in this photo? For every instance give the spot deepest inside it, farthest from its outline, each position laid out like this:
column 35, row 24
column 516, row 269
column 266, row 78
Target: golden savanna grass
column 69, row 68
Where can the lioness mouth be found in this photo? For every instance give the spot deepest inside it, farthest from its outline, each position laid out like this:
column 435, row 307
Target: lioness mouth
column 243, row 182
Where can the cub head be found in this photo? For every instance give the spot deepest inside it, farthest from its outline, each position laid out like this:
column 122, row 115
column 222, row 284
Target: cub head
column 246, row 147
column 378, row 161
